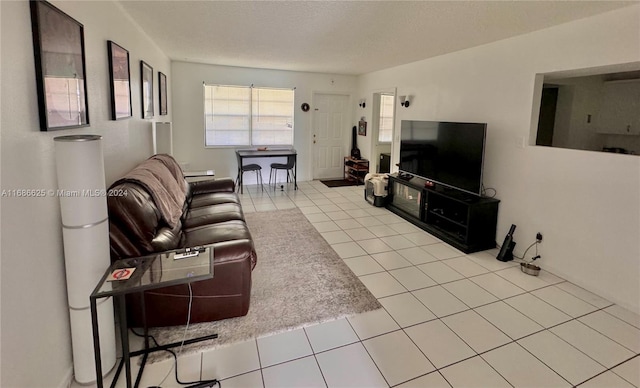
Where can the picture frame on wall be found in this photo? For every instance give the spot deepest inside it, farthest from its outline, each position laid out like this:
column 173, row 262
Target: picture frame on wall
column 362, row 128
column 162, row 88
column 146, row 75
column 58, row 44
column 120, row 80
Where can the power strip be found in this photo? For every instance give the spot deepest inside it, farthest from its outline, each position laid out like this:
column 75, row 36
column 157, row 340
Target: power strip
column 186, row 255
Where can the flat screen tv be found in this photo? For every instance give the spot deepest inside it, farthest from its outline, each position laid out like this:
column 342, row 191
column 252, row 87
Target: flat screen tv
column 447, row 153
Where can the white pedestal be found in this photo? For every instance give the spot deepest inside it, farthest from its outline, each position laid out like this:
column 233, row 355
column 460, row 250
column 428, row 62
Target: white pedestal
column 85, row 231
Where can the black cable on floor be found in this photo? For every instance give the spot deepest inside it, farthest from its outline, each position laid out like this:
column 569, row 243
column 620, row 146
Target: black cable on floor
column 524, row 255
column 192, row 384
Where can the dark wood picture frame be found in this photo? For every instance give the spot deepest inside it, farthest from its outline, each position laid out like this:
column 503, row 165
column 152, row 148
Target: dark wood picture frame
column 162, row 89
column 146, row 86
column 362, row 128
column 120, row 80
column 58, row 45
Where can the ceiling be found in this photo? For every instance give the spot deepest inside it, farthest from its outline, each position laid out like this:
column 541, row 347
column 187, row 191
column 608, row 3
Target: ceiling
column 341, row 37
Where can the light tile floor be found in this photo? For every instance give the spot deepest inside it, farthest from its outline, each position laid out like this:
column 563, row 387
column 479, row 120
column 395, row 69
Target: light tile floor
column 449, row 319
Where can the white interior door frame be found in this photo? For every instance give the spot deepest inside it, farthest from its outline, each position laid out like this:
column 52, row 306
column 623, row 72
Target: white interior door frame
column 327, row 152
column 375, row 120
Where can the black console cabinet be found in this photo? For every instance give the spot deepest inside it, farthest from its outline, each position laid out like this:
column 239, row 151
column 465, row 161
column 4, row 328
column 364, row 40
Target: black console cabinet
column 465, row 221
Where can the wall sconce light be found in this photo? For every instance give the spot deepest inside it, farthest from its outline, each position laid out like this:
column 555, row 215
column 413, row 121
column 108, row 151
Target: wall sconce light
column 405, row 101
column 362, row 103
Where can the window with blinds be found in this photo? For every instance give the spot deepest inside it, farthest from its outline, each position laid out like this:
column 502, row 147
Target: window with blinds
column 385, row 132
column 248, row 116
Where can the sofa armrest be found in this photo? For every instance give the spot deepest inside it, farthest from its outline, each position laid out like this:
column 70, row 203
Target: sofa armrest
column 212, row 186
column 166, row 238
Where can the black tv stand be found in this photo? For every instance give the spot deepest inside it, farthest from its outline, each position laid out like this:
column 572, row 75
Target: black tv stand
column 465, row 221
column 455, row 193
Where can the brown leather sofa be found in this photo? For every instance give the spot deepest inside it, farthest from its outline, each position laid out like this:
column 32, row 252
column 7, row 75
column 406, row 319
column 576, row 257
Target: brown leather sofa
column 211, row 214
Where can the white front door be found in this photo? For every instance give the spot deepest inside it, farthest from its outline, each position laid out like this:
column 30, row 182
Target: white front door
column 330, row 129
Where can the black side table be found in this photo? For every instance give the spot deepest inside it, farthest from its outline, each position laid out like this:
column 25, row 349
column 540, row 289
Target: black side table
column 146, row 273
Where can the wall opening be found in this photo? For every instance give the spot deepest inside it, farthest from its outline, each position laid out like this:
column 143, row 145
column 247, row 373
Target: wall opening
column 594, row 112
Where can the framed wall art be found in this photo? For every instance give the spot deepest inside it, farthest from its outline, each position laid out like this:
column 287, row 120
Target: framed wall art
column 146, row 75
column 162, row 88
column 58, row 44
column 120, row 79
column 362, row 128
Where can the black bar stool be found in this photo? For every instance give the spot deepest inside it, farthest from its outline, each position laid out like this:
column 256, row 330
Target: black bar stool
column 249, row 167
column 288, row 167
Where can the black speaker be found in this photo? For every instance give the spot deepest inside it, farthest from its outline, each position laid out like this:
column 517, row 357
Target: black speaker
column 506, row 251
column 355, row 151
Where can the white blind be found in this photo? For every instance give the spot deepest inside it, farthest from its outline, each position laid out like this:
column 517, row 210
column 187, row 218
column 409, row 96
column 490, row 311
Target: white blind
column 272, row 116
column 242, row 115
column 385, row 132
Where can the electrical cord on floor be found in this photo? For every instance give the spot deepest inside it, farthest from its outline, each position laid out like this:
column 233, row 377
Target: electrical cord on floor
column 192, row 384
column 201, row 383
column 522, row 259
column 484, row 191
column 184, row 336
column 524, row 255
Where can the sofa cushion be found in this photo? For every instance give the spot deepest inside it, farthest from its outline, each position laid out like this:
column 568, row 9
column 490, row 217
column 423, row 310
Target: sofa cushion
column 215, row 233
column 224, row 185
column 200, row 200
column 212, row 214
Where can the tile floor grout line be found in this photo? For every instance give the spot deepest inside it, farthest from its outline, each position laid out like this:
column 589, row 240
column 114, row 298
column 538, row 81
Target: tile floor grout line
column 489, row 322
column 498, row 372
column 623, row 362
column 604, row 334
column 440, row 319
column 566, row 281
column 438, row 369
column 313, row 353
column 579, row 350
column 543, row 363
column 241, row 374
column 374, row 361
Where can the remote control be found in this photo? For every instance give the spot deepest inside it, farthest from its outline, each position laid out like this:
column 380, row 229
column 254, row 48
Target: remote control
column 186, row 254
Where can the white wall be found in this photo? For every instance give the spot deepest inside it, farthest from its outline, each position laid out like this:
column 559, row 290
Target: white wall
column 188, row 125
column 36, row 342
column 586, row 204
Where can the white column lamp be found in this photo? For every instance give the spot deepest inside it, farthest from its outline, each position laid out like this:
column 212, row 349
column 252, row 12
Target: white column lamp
column 85, row 231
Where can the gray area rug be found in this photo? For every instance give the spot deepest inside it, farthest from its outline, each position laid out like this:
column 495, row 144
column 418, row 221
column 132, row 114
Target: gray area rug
column 298, row 281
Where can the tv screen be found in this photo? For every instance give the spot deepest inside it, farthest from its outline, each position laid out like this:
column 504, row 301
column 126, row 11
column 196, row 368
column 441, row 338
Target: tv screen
column 444, row 152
